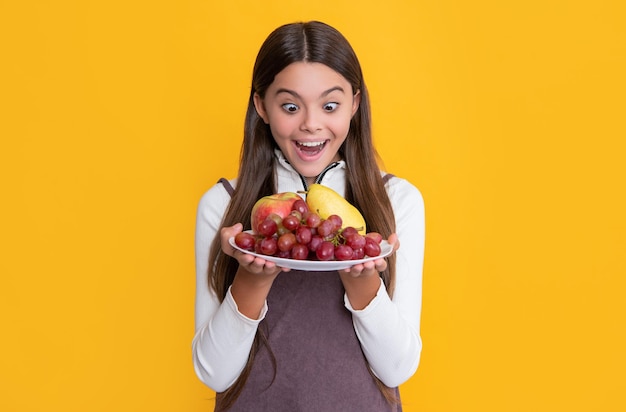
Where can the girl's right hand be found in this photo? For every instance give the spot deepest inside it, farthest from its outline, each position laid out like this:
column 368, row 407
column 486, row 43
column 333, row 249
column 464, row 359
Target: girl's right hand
column 254, row 277
column 249, row 263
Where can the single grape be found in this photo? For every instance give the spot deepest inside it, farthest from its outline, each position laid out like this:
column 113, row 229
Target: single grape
column 371, row 248
column 245, row 241
column 315, row 242
column 358, row 253
column 355, row 240
column 336, row 220
column 300, row 206
column 325, row 251
column 377, row 237
column 284, row 254
column 291, row 222
column 268, row 246
column 348, row 230
column 343, row 252
column 299, row 252
column 303, row 235
column 311, row 219
column 325, row 228
column 281, row 230
column 285, row 242
column 267, row 227
column 297, row 214
column 276, row 218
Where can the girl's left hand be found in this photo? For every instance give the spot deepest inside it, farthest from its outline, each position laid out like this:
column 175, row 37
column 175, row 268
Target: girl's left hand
column 362, row 281
column 373, row 267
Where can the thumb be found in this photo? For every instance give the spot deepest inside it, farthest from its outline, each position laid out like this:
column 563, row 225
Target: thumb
column 393, row 240
column 228, row 232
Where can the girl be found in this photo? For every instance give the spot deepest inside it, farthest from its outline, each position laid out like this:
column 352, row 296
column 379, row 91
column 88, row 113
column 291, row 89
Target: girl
column 273, row 339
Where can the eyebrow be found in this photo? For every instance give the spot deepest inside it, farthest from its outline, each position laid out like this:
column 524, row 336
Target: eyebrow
column 295, row 94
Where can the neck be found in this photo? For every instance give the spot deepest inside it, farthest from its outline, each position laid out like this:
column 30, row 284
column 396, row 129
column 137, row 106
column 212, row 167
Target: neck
column 308, row 181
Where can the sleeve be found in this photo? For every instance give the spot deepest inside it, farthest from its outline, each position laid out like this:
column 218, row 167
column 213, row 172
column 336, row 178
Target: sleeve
column 389, row 328
column 223, row 336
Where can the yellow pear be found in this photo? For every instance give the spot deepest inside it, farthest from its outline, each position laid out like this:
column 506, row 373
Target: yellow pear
column 325, row 202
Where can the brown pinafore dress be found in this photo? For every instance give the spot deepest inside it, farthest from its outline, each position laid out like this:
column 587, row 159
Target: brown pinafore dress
column 320, row 366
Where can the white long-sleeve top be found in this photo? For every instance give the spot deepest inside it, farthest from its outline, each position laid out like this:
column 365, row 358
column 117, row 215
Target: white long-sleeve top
column 388, row 328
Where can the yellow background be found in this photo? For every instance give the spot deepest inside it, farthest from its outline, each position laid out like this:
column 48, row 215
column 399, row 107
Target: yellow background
column 509, row 116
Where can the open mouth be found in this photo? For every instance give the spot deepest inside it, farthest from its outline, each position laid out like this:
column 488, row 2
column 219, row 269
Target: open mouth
column 311, row 148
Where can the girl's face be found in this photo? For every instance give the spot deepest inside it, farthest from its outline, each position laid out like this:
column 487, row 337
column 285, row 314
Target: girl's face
column 308, row 108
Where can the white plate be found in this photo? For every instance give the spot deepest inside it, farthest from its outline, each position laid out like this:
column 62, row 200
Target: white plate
column 315, row 265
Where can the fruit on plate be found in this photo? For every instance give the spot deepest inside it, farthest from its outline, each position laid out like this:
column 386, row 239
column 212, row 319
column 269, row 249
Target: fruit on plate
column 280, row 204
column 326, row 202
column 324, row 227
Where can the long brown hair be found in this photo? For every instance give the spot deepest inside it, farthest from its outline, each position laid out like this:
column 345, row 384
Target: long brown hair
column 313, row 42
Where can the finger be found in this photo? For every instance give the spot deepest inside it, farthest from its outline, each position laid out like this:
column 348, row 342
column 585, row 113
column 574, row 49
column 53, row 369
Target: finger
column 225, row 234
column 371, row 265
column 394, row 241
column 244, row 259
column 356, row 270
column 380, row 265
column 266, row 264
column 265, row 267
column 231, row 231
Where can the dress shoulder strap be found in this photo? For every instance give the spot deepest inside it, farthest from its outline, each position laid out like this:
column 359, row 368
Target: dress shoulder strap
column 387, row 177
column 229, row 188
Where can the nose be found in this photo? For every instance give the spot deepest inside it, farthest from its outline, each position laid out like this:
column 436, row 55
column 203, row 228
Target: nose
column 311, row 122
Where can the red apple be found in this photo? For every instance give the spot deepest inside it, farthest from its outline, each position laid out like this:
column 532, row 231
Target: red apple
column 279, row 203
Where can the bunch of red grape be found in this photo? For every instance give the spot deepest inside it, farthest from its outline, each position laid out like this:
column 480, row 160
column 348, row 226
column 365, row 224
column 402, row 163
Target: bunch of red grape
column 304, row 235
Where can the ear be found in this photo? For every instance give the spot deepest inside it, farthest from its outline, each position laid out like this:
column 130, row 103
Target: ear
column 356, row 101
column 260, row 108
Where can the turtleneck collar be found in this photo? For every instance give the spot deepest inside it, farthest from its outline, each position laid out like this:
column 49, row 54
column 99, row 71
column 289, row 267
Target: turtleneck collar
column 284, row 163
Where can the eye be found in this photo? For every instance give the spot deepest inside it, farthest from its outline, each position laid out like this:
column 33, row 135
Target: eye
column 290, row 107
column 330, row 107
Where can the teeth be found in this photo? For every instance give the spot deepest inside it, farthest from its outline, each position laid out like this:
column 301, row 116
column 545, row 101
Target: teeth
column 310, row 144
